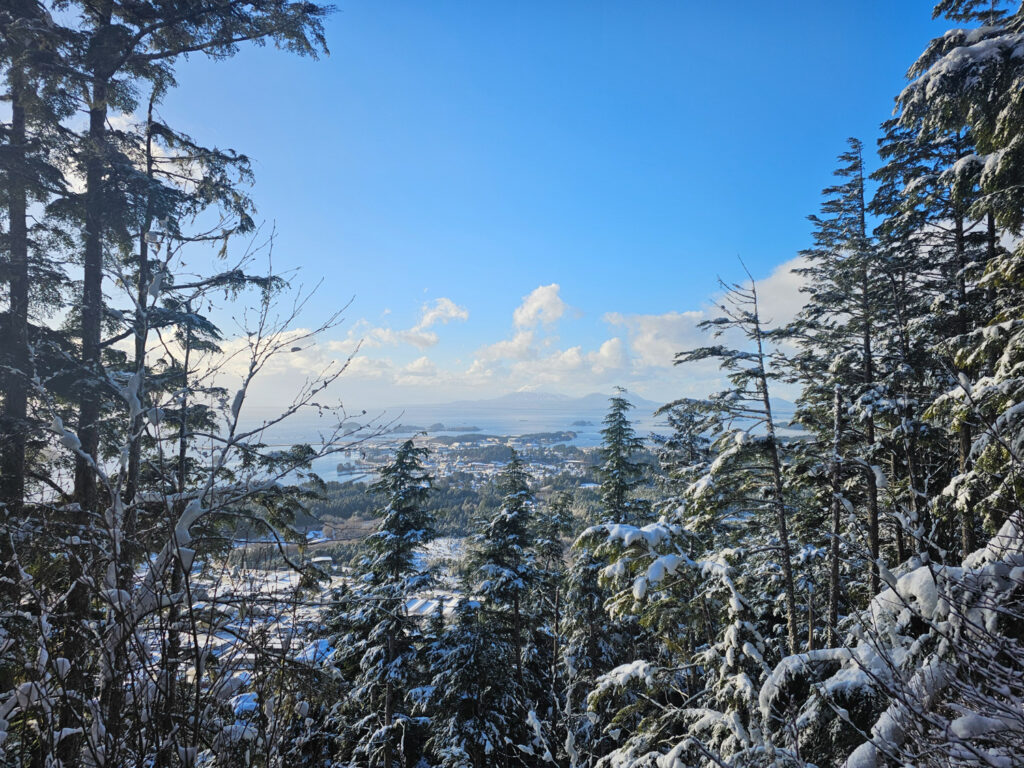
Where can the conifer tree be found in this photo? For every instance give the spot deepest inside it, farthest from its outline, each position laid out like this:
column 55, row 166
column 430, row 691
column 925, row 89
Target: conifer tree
column 935, row 252
column 118, row 49
column 121, row 46
column 594, row 644
column 505, row 560
column 965, row 81
column 840, row 323
column 694, row 698
column 382, row 639
column 475, row 701
column 552, row 524
column 620, row 473
column 30, row 163
column 747, row 472
column 486, row 653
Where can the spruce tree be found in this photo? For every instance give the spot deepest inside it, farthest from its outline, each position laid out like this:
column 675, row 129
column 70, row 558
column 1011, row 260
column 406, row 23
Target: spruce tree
column 487, row 653
column 840, row 325
column 33, row 152
column 552, row 524
column 965, row 81
column 475, row 702
column 594, row 643
column 935, row 253
column 382, row 640
column 620, row 473
column 505, row 559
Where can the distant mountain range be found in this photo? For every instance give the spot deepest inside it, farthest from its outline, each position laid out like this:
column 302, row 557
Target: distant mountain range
column 545, row 401
column 516, row 413
column 549, row 402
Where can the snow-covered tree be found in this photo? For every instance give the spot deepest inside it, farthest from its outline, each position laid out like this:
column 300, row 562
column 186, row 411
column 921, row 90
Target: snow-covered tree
column 380, row 641
column 744, row 482
column 475, row 698
column 620, row 473
column 839, row 328
column 552, row 523
column 490, row 675
column 967, row 79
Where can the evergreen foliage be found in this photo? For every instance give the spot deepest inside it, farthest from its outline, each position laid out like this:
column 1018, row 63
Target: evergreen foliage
column 843, row 590
column 620, row 473
column 377, row 639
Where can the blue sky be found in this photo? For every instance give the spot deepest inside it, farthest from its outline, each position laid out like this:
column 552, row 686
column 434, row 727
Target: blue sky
column 449, row 159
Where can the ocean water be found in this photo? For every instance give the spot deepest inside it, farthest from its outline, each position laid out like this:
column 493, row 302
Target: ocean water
column 504, row 420
column 510, row 416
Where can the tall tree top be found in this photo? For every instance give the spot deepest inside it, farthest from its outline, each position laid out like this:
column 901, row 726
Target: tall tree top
column 619, row 473
column 505, row 544
column 406, row 524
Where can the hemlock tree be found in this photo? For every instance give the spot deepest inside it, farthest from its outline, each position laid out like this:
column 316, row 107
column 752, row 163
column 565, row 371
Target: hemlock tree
column 120, row 46
column 840, row 323
column 591, row 645
column 474, row 699
column 484, row 677
column 935, row 253
column 505, row 560
column 619, row 473
column 34, row 149
column 694, row 698
column 594, row 643
column 32, row 152
column 968, row 80
column 63, row 59
column 552, row 524
column 382, row 642
column 135, row 440
column 746, row 476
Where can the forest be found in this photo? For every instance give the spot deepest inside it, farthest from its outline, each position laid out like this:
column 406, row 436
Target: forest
column 843, row 590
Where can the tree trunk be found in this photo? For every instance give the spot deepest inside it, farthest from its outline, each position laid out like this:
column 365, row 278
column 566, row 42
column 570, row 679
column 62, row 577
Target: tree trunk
column 779, row 503
column 141, row 324
column 13, row 424
column 15, row 377
column 389, row 706
column 869, row 375
column 167, row 720
column 836, row 486
column 778, row 489
column 967, row 539
column 92, row 299
column 869, row 434
column 85, row 490
column 518, row 641
column 555, row 647
column 810, row 617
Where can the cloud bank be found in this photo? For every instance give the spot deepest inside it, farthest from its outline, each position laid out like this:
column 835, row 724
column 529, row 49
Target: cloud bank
column 415, row 364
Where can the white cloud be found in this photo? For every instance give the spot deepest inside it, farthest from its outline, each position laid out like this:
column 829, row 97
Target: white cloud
column 531, row 357
column 654, row 340
column 519, row 347
column 522, row 364
column 638, row 353
column 779, row 296
column 610, row 356
column 363, row 367
column 388, row 337
column 441, row 311
column 420, row 372
column 421, row 366
column 541, row 305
